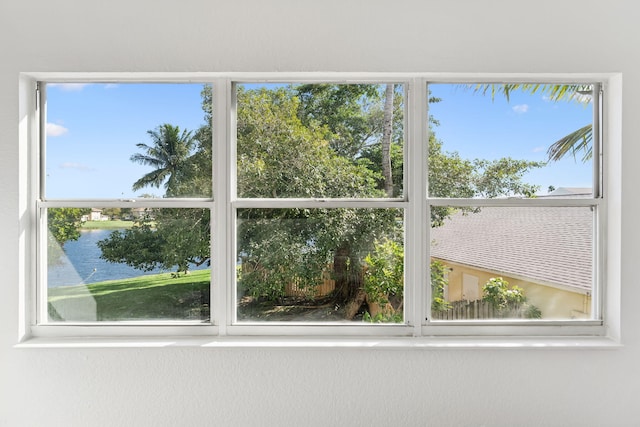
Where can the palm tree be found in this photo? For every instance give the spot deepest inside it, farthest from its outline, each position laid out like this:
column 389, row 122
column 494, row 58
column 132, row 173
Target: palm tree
column 577, row 141
column 168, row 154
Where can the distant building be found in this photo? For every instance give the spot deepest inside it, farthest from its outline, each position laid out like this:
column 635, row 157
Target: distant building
column 95, row 215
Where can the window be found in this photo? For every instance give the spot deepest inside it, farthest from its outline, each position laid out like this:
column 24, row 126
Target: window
column 390, row 206
column 125, row 203
column 519, row 240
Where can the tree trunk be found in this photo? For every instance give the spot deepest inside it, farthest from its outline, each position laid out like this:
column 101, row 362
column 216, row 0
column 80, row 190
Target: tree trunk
column 348, row 277
column 387, row 130
column 341, row 273
column 354, row 305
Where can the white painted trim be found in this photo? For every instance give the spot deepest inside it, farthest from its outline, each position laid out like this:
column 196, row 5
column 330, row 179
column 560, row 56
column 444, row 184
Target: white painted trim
column 416, row 276
column 517, row 202
column 318, row 203
column 220, row 233
column 355, row 343
column 414, row 202
column 316, row 77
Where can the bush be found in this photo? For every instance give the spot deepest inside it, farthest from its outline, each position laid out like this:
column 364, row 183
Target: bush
column 509, row 302
column 384, row 278
column 438, row 282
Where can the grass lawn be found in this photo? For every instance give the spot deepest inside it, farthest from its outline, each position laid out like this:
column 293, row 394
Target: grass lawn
column 101, row 225
column 150, row 297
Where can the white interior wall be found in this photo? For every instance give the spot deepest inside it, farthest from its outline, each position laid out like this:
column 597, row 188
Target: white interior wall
column 269, row 387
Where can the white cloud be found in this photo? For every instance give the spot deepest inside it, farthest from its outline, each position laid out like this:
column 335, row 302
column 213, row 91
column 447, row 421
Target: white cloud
column 77, row 166
column 69, row 87
column 110, row 85
column 539, row 149
column 55, row 130
column 520, row 108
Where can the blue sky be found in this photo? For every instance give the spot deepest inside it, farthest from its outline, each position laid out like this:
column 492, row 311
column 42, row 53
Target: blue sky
column 92, row 130
column 477, row 126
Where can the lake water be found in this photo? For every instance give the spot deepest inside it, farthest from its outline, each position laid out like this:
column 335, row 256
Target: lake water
column 82, row 263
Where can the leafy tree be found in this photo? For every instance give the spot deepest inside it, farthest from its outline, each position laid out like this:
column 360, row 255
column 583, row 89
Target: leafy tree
column 348, row 115
column 385, row 143
column 278, row 156
column 165, row 238
column 316, row 141
column 64, row 225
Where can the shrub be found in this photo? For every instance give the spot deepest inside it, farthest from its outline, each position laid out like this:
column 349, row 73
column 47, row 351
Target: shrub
column 509, row 302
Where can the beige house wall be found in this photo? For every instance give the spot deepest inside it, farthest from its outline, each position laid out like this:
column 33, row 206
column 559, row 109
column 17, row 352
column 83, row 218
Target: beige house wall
column 554, row 303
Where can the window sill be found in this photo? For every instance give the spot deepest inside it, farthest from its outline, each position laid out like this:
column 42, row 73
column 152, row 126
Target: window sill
column 399, row 343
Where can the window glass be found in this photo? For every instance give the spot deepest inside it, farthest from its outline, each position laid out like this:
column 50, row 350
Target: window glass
column 320, row 265
column 510, row 140
column 128, row 140
column 116, row 264
column 512, row 262
column 126, row 208
column 320, row 140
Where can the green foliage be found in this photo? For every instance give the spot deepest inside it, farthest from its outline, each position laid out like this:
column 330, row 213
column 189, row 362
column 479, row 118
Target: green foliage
column 165, row 238
column 168, row 155
column 555, row 92
column 451, row 176
column 275, row 252
column 281, row 246
column 508, row 301
column 64, row 225
column 384, row 275
column 383, row 317
column 278, row 156
column 497, row 292
column 438, row 282
column 305, row 141
column 350, row 115
column 384, row 280
column 371, row 158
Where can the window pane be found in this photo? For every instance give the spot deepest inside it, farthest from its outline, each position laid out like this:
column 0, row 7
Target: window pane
column 501, row 140
column 320, row 140
column 320, row 265
column 128, row 140
column 512, row 262
column 128, row 264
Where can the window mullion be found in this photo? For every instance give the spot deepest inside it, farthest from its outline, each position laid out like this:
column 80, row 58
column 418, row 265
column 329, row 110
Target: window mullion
column 221, row 254
column 416, row 283
column 41, row 101
column 596, row 133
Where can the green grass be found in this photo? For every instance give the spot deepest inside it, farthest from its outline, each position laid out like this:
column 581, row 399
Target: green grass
column 149, row 297
column 101, row 225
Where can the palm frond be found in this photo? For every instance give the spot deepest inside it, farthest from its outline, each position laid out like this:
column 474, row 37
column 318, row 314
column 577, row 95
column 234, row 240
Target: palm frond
column 577, row 141
column 554, row 92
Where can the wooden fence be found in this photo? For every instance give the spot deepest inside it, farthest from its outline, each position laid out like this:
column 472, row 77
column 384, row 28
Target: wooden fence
column 471, row 310
column 323, row 289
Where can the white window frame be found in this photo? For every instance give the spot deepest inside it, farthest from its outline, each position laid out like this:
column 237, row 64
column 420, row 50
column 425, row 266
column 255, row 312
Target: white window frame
column 418, row 330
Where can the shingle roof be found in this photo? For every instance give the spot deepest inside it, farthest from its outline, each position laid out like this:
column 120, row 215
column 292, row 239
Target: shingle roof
column 551, row 245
